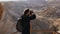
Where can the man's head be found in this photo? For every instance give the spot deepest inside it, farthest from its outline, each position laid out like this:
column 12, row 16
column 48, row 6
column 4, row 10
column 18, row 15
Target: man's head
column 27, row 12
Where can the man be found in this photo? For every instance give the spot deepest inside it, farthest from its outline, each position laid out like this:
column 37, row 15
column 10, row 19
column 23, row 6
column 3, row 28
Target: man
column 28, row 15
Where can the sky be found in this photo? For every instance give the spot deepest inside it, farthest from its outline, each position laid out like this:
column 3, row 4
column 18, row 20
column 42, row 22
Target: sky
column 50, row 0
column 24, row 0
column 12, row 0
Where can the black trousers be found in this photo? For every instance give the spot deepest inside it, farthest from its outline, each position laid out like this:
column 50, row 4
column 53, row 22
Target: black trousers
column 26, row 29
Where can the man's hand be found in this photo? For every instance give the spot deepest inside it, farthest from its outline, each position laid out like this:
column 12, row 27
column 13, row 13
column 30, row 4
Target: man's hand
column 31, row 14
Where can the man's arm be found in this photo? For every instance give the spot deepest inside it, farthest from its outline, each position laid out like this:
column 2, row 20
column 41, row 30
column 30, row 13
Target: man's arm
column 33, row 16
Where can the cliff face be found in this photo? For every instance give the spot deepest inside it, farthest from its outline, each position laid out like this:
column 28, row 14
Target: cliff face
column 1, row 11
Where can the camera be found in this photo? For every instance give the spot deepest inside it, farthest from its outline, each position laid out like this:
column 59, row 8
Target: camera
column 31, row 12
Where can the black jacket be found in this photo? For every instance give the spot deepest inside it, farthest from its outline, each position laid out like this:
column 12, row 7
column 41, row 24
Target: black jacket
column 26, row 19
column 24, row 23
